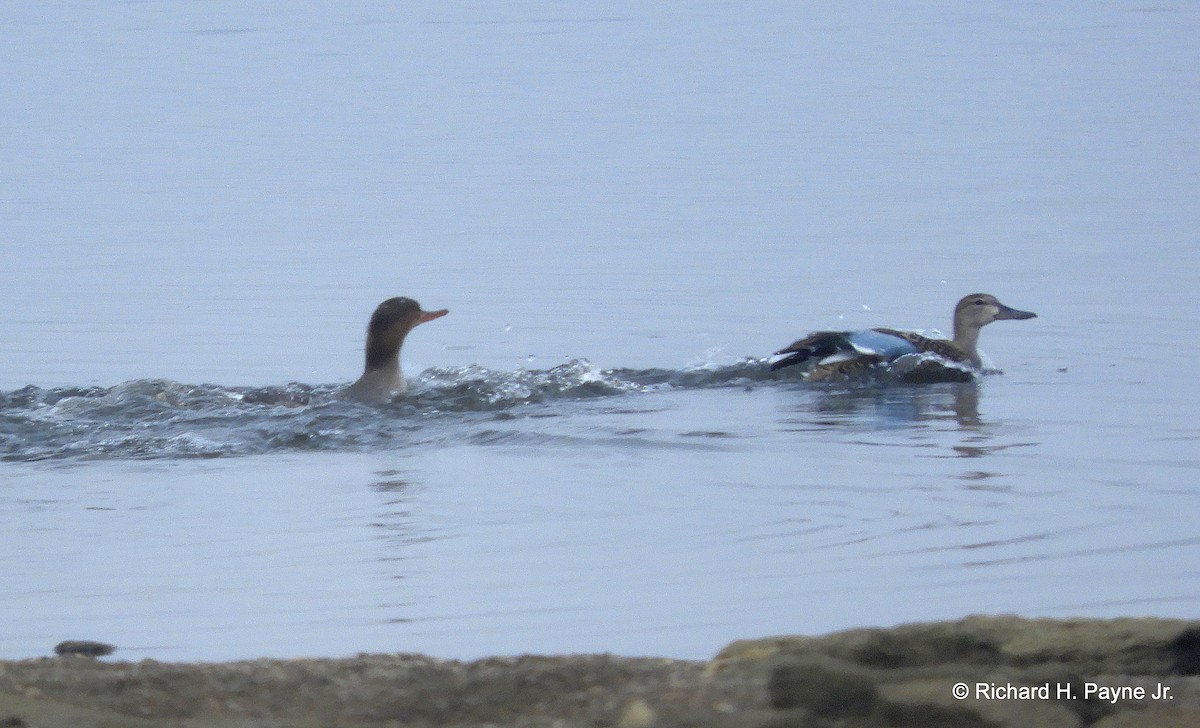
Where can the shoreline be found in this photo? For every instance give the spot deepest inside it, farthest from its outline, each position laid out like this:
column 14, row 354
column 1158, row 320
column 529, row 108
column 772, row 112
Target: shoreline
column 1011, row 671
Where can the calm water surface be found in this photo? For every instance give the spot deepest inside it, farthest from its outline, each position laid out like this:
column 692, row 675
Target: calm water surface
column 624, row 212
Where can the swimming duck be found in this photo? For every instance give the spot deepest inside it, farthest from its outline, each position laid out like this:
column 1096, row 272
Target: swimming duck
column 391, row 322
column 844, row 352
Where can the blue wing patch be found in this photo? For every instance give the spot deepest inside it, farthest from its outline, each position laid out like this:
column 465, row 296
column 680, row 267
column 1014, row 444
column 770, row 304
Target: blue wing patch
column 880, row 344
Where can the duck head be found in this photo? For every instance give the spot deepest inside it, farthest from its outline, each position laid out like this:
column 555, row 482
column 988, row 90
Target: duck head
column 974, row 312
column 390, row 323
column 980, row 309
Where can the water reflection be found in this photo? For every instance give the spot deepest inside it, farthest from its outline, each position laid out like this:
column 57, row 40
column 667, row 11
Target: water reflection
column 887, row 407
column 399, row 525
column 943, row 421
column 399, row 529
column 978, row 451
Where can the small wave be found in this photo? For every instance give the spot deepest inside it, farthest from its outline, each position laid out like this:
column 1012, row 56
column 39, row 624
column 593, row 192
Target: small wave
column 146, row 418
column 475, row 388
column 928, row 368
column 160, row 418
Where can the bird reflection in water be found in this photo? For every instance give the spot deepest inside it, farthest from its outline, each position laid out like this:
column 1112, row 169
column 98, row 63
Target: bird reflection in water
column 895, row 406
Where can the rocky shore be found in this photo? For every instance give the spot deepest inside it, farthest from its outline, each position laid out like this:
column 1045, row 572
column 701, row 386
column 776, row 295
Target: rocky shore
column 979, row 671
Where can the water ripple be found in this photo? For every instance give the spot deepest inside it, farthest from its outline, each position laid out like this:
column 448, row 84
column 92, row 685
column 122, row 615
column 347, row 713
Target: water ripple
column 159, row 418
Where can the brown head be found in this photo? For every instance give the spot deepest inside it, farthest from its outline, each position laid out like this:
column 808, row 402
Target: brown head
column 390, row 323
column 974, row 312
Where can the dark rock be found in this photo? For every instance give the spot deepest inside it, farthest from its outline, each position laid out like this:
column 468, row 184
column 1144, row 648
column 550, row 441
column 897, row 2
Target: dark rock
column 821, row 688
column 930, row 715
column 85, row 648
column 1185, row 649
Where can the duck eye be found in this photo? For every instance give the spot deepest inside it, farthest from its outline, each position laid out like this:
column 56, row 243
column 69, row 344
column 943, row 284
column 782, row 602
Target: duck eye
column 979, row 302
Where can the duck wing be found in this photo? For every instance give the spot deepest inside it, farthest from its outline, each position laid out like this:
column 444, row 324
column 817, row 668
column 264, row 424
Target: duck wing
column 840, row 352
column 817, row 345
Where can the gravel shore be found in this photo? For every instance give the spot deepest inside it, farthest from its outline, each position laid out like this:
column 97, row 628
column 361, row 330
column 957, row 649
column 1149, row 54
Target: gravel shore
column 1013, row 671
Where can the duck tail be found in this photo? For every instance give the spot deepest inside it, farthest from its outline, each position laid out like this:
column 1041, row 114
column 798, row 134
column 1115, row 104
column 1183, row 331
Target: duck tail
column 797, row 358
column 816, row 346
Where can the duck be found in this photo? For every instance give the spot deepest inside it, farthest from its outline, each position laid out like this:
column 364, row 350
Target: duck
column 834, row 353
column 391, row 322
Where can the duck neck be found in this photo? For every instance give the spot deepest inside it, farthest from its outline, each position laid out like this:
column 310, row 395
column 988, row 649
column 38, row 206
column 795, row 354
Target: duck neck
column 382, row 375
column 383, row 355
column 967, row 339
column 383, row 352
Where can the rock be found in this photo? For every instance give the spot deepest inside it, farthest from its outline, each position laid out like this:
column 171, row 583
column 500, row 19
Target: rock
column 1015, row 672
column 85, row 648
column 637, row 714
column 823, row 688
column 1033, row 673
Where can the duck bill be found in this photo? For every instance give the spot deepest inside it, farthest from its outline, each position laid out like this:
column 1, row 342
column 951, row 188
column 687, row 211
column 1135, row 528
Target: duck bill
column 431, row 315
column 1013, row 313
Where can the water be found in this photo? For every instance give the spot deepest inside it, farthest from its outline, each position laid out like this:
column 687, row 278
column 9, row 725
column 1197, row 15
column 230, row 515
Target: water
column 625, row 213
